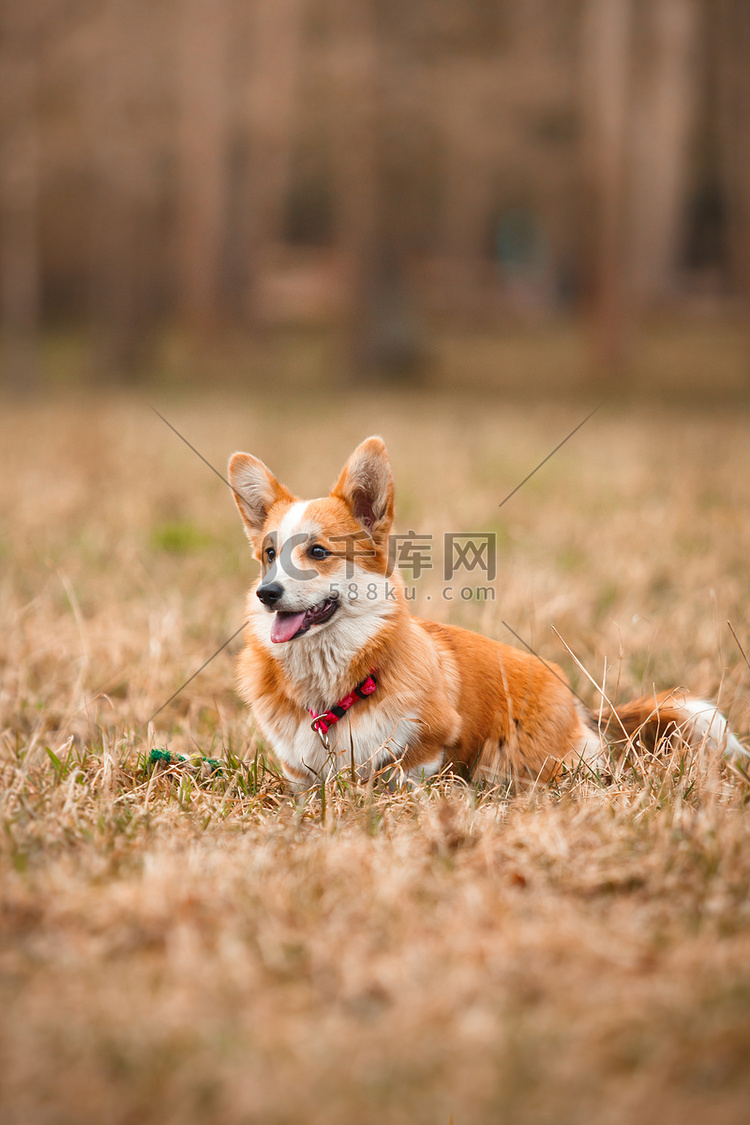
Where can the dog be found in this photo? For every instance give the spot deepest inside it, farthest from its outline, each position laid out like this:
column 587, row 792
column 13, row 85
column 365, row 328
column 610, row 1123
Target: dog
column 340, row 675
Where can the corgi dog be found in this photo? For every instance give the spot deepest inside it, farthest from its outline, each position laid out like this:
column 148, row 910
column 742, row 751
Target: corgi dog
column 340, row 675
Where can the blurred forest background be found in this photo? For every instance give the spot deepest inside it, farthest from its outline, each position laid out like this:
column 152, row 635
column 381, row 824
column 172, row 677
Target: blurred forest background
column 528, row 193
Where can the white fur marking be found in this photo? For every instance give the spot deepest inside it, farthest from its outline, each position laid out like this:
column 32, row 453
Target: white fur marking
column 292, row 521
column 587, row 755
column 705, row 723
column 374, row 738
column 419, row 774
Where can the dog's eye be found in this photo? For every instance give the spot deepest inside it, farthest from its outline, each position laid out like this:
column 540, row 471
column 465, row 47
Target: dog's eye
column 318, row 552
column 270, row 554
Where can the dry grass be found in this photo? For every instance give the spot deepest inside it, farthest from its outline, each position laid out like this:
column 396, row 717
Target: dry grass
column 181, row 949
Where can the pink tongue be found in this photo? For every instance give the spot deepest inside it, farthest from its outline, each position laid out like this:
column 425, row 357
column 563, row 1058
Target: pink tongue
column 285, row 625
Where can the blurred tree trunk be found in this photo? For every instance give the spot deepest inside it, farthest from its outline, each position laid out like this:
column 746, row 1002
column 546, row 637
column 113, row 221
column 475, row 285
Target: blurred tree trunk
column 377, row 202
column 203, row 160
column 467, row 192
column 20, row 271
column 663, row 118
column 355, row 157
column 121, row 238
column 606, row 44
column 734, row 134
column 277, row 31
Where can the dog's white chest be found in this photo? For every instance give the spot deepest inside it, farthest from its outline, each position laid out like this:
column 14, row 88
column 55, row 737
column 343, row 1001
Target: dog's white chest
column 368, row 738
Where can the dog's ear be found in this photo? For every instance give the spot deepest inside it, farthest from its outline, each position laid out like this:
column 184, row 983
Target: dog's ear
column 366, row 485
column 255, row 490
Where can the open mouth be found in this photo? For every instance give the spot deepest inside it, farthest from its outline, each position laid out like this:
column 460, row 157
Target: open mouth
column 286, row 626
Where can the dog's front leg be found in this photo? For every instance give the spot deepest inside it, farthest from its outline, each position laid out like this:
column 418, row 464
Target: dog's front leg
column 429, row 756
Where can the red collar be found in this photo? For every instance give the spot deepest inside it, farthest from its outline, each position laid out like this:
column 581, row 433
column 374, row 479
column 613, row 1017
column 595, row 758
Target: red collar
column 328, row 718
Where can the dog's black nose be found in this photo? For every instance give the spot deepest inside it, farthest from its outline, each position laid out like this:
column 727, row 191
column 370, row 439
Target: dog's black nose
column 270, row 594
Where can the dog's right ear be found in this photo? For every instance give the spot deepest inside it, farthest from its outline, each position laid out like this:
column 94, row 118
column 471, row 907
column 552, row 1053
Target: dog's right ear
column 366, row 485
column 255, row 490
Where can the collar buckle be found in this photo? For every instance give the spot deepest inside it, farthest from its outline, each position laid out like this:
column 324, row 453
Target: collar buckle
column 318, row 725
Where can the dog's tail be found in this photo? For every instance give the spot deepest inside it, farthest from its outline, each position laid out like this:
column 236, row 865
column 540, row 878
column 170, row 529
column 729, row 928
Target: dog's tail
column 652, row 719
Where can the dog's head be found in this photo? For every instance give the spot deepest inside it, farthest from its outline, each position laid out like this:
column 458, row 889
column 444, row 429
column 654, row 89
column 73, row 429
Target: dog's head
column 322, row 561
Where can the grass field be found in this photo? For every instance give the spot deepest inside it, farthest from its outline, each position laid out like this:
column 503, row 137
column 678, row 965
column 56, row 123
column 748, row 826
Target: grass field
column 178, row 948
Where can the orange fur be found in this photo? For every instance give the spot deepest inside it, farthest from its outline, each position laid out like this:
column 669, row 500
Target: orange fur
column 446, row 697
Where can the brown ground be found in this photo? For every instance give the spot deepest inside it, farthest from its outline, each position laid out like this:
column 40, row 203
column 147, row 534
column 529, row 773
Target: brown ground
column 176, row 949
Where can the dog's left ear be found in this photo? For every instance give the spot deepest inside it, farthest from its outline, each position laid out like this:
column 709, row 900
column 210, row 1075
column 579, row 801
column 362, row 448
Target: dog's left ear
column 366, row 485
column 256, row 490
